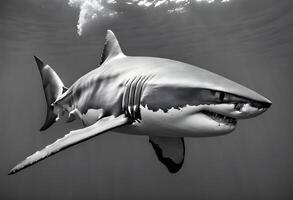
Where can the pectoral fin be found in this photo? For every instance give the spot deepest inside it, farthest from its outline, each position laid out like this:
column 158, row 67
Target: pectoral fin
column 170, row 151
column 74, row 137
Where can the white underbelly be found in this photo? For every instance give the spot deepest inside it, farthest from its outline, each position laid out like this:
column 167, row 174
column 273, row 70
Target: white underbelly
column 91, row 116
column 183, row 122
column 160, row 123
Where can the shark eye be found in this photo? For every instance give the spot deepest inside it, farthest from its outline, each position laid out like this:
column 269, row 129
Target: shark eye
column 220, row 95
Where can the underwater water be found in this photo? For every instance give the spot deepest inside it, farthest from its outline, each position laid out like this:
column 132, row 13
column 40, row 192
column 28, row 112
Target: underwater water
column 250, row 42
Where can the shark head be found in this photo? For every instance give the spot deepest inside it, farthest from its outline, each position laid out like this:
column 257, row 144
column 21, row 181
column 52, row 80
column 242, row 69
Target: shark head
column 218, row 112
column 198, row 102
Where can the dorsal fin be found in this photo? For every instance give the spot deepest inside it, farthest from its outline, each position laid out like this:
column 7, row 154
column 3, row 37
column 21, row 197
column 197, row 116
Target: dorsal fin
column 111, row 47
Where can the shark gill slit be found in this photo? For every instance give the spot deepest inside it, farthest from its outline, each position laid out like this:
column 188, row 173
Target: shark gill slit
column 132, row 98
column 137, row 98
column 133, row 88
column 128, row 99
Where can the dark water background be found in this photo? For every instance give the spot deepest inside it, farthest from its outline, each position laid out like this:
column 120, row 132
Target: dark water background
column 250, row 42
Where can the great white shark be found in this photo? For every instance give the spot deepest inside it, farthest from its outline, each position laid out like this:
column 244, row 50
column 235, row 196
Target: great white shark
column 164, row 99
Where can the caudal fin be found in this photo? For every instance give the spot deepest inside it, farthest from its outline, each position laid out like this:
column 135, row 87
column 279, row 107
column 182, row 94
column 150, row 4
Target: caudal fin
column 53, row 87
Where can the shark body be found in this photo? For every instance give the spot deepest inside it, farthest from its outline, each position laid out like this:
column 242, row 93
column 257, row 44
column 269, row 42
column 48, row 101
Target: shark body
column 164, row 99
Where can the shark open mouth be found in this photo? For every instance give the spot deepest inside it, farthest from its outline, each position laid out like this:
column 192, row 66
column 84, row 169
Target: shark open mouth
column 220, row 118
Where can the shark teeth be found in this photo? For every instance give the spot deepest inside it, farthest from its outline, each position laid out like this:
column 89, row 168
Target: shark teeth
column 238, row 106
column 220, row 118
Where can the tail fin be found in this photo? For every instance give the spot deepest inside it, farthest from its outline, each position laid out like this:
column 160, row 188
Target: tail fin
column 53, row 87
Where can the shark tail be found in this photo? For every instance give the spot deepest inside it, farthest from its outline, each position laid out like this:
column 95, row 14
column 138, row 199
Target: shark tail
column 53, row 88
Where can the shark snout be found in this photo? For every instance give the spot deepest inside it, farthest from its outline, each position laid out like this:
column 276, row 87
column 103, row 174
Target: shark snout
column 240, row 110
column 251, row 107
